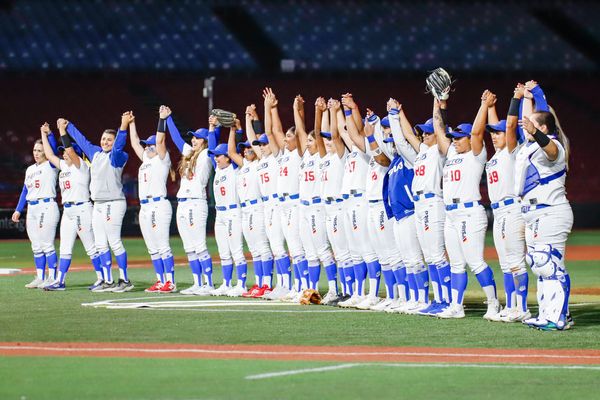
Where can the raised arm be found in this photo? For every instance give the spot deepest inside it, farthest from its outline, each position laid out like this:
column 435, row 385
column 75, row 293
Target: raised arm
column 275, row 139
column 478, row 129
column 231, row 148
column 512, row 119
column 66, row 141
column 173, row 131
column 118, row 157
column 301, row 135
column 353, row 130
column 439, row 125
column 378, row 155
column 492, row 115
column 251, row 119
column 321, row 123
column 335, row 108
column 353, row 107
column 88, row 148
column 395, row 108
column 538, row 96
column 45, row 131
column 161, row 135
column 135, row 141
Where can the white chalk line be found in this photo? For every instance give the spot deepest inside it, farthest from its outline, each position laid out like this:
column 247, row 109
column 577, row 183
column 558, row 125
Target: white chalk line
column 418, row 365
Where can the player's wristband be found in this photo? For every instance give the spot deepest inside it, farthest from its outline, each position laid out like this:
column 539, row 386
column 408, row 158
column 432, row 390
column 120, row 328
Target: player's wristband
column 162, row 125
column 394, row 111
column 513, row 110
column 66, row 141
column 347, row 113
column 541, row 138
column 444, row 114
column 257, row 126
column 371, row 138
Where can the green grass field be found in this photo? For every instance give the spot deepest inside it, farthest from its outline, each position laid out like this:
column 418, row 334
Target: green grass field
column 38, row 316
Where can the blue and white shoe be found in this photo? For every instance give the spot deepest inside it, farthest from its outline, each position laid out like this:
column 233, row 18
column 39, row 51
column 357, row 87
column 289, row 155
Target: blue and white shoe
column 432, row 309
column 56, row 286
column 551, row 326
column 96, row 284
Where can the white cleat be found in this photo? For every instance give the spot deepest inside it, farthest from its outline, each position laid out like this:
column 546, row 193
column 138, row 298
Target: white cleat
column 368, row 302
column 505, row 312
column 331, row 298
column 417, row 306
column 47, row 282
column 279, row 293
column 395, row 306
column 351, row 302
column 453, row 311
column 204, row 290
column 493, row 309
column 191, row 290
column 382, row 305
column 221, row 290
column 288, row 297
column 35, row 283
column 236, row 291
column 517, row 316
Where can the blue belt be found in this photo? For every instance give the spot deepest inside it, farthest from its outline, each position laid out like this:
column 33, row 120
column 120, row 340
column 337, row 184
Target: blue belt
column 502, row 203
column 330, row 200
column 71, row 204
column 375, row 201
column 289, row 196
column 526, row 209
column 248, row 203
column 347, row 196
column 34, row 202
column 314, row 200
column 456, row 206
column 225, row 208
column 148, row 200
column 266, row 198
column 418, row 197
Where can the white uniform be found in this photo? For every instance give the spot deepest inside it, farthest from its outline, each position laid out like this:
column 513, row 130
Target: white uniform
column 287, row 189
column 268, row 172
column 76, row 220
column 155, row 210
column 192, row 207
column 228, row 224
column 42, row 210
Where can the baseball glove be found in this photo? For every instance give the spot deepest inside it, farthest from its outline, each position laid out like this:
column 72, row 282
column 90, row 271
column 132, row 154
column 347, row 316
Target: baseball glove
column 310, row 296
column 438, row 83
column 226, row 118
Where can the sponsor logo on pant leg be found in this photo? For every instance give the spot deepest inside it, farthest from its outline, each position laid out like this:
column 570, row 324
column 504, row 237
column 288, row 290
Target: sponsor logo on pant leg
column 426, row 220
column 463, row 231
column 41, row 224
column 108, row 211
column 153, row 219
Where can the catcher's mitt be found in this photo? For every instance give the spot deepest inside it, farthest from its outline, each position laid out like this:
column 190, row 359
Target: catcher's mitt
column 310, row 296
column 226, row 118
column 438, row 83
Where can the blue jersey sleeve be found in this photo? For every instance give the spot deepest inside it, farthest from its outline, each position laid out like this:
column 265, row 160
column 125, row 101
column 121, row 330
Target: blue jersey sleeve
column 175, row 135
column 22, row 200
column 53, row 143
column 118, row 157
column 520, row 133
column 212, row 143
column 88, row 148
column 540, row 99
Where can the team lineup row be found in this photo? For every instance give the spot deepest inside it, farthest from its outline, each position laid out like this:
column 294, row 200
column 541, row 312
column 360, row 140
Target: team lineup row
column 360, row 198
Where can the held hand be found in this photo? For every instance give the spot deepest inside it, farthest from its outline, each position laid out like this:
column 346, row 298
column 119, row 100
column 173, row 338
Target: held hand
column 519, row 91
column 369, row 129
column 348, row 101
column 320, row 104
column 369, row 112
column 15, row 217
column 212, row 122
column 126, row 119
column 392, row 103
column 530, row 85
column 527, row 125
column 238, row 124
column 298, row 103
column 61, row 124
column 164, row 112
column 45, row 129
column 333, row 104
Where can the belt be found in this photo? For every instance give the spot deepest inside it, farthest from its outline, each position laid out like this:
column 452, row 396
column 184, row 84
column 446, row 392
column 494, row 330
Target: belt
column 456, row 206
column 182, row 199
column 267, row 198
column 225, row 208
column 502, row 203
column 248, row 203
column 34, row 202
column 330, row 200
column 314, row 200
column 375, row 201
column 347, row 196
column 72, row 203
column 289, row 196
column 526, row 209
column 153, row 199
column 420, row 195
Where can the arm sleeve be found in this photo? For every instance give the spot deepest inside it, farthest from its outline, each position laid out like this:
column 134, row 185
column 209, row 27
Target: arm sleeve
column 175, row 135
column 212, row 143
column 22, row 200
column 53, row 143
column 520, row 133
column 539, row 99
column 88, row 148
column 118, row 157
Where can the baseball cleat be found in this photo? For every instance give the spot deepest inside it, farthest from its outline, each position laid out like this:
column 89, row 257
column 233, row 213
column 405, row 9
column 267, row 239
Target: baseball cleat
column 330, row 298
column 236, row 291
column 34, row 283
column 47, row 282
column 96, row 284
column 515, row 316
column 493, row 309
column 453, row 311
column 189, row 291
column 504, row 312
column 278, row 293
column 168, row 287
column 395, row 306
column 431, row 309
column 263, row 290
column 382, row 305
column 105, row 287
column 221, row 290
column 204, row 290
column 155, row 288
column 56, row 286
column 368, row 302
column 252, row 292
column 352, row 302
column 414, row 308
column 569, row 321
column 124, row 286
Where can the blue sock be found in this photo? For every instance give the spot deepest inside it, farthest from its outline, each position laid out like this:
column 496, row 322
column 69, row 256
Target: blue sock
column 486, row 280
column 169, row 267
column 331, row 272
column 52, row 260
column 242, row 273
column 196, row 270
column 40, row 265
column 267, row 272
column 509, row 288
column 567, row 287
column 206, row 268
column 342, row 274
column 412, row 286
column 401, row 281
column 296, row 277
column 374, row 269
column 97, row 263
column 314, row 273
column 459, row 285
column 122, row 263
column 522, row 289
column 390, row 282
column 227, row 274
column 303, row 268
column 445, row 282
column 350, row 279
column 360, row 273
column 435, row 283
column 258, row 271
column 422, row 282
column 63, row 267
column 159, row 269
column 107, row 266
column 286, row 271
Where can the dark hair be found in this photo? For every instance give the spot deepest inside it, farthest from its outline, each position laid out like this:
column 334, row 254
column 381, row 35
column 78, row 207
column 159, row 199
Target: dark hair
column 38, row 141
column 110, row 132
column 550, row 119
column 312, row 133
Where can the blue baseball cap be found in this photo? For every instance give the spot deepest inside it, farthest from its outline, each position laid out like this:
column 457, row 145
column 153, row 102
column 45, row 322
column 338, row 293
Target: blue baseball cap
column 385, row 122
column 75, row 147
column 427, row 127
column 242, row 145
column 220, row 150
column 201, row 133
column 326, row 135
column 499, row 127
column 462, row 130
column 262, row 139
column 149, row 142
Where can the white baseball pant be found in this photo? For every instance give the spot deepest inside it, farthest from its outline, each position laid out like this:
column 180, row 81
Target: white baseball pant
column 357, row 233
column 381, row 235
column 192, row 215
column 107, row 220
column 253, row 228
column 155, row 222
column 41, row 221
column 273, row 229
column 430, row 215
column 509, row 238
column 313, row 234
column 77, row 221
column 464, row 234
column 290, row 227
column 228, row 233
column 334, row 223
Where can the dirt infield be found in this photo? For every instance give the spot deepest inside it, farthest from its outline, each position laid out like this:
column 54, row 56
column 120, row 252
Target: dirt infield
column 304, row 353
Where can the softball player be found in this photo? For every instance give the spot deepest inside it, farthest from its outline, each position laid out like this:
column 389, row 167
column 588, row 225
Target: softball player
column 74, row 180
column 155, row 210
column 509, row 226
column 253, row 218
column 228, row 224
column 39, row 192
column 466, row 220
column 192, row 207
column 268, row 171
column 312, row 214
column 429, row 206
column 541, row 166
column 106, row 188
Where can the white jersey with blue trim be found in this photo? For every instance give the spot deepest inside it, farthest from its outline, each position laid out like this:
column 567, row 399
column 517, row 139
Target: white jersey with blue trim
column 40, row 180
column 532, row 157
column 374, row 184
column 428, row 168
column 310, row 176
column 225, row 186
column 74, row 182
column 289, row 172
column 268, row 172
column 195, row 186
column 152, row 176
column 247, row 181
column 106, row 180
column 500, row 172
column 355, row 171
column 462, row 175
column 332, row 174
